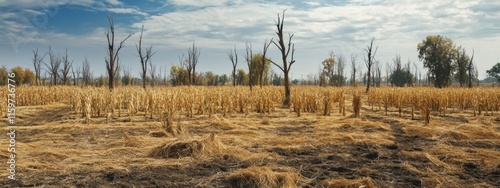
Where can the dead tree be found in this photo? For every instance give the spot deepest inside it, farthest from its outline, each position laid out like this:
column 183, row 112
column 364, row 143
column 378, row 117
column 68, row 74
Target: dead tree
column 152, row 73
column 263, row 65
column 112, row 59
column 369, row 62
column 470, row 68
column 37, row 65
column 233, row 57
column 340, row 70
column 76, row 75
column 249, row 58
column 353, row 69
column 285, row 52
column 145, row 58
column 192, row 61
column 53, row 67
column 86, row 74
column 66, row 67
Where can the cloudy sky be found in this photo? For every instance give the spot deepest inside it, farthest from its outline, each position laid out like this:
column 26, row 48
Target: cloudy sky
column 216, row 26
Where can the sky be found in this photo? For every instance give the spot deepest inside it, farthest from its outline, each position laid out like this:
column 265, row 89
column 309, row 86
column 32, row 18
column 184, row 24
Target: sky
column 217, row 26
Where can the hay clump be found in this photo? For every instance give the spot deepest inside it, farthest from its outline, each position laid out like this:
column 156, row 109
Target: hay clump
column 196, row 148
column 255, row 177
column 354, row 183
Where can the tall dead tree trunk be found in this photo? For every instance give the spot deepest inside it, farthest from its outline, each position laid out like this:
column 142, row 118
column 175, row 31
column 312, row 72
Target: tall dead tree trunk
column 53, row 67
column 86, row 74
column 193, row 58
column 66, row 67
column 353, row 70
column 145, row 58
column 285, row 51
column 233, row 57
column 37, row 65
column 249, row 58
column 112, row 59
column 76, row 75
column 369, row 62
column 152, row 73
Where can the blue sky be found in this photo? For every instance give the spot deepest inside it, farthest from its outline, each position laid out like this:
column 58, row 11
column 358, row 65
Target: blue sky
column 171, row 26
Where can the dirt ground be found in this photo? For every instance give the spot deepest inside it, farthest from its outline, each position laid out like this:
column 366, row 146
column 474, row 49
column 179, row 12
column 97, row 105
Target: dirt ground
column 56, row 148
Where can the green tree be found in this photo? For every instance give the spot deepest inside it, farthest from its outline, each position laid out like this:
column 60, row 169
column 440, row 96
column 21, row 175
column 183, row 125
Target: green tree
column 29, row 77
column 329, row 69
column 494, row 72
column 437, row 53
column 223, row 79
column 241, row 77
column 178, row 76
column 462, row 62
column 277, row 79
column 3, row 76
column 257, row 68
column 400, row 76
column 19, row 75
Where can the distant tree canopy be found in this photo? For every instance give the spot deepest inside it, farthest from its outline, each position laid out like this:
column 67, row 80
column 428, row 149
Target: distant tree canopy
column 494, row 72
column 437, row 53
column 23, row 76
column 241, row 77
column 179, row 76
column 332, row 72
column 257, row 68
column 400, row 76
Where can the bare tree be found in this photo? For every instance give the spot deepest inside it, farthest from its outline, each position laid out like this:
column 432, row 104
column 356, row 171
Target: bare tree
column 76, row 75
column 112, row 61
column 192, row 61
column 354, row 67
column 233, row 57
column 378, row 74
column 415, row 78
column 388, row 70
column 152, row 73
column 37, row 65
column 86, row 74
column 249, row 58
column 66, row 67
column 53, row 67
column 470, row 68
column 127, row 78
column 263, row 62
column 369, row 62
column 145, row 58
column 340, row 70
column 285, row 52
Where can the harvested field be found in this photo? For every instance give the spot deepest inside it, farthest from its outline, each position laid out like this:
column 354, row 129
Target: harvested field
column 207, row 139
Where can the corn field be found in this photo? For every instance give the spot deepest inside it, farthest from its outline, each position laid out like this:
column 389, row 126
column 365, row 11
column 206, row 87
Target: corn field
column 158, row 102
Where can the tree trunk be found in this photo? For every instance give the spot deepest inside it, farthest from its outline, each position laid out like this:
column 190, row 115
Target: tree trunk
column 286, row 102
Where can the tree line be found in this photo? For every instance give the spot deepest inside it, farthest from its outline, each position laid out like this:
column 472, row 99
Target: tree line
column 443, row 60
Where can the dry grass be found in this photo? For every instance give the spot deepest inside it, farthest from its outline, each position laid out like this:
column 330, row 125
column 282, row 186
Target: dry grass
column 345, row 183
column 223, row 136
column 196, row 148
column 256, row 177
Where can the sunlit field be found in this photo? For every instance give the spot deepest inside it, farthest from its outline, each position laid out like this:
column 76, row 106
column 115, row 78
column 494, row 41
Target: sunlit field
column 228, row 136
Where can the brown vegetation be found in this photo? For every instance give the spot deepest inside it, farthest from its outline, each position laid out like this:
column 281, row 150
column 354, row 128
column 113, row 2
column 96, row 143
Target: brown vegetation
column 231, row 137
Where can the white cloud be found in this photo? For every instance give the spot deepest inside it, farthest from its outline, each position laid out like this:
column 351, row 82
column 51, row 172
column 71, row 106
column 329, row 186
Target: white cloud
column 198, row 3
column 114, row 2
column 126, row 11
column 346, row 27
